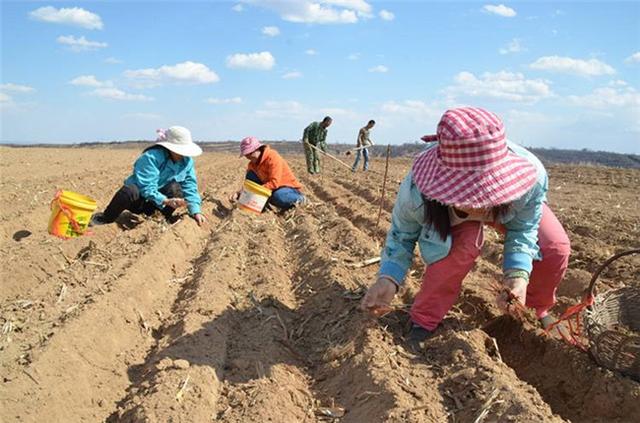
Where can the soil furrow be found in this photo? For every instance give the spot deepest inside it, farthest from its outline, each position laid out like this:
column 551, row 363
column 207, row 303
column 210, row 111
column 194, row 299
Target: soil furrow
column 361, row 213
column 97, row 347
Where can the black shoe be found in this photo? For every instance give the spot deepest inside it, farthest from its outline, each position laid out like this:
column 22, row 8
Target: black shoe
column 417, row 336
column 97, row 219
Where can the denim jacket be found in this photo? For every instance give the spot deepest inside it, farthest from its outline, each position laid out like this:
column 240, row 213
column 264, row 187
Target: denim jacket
column 408, row 227
column 154, row 169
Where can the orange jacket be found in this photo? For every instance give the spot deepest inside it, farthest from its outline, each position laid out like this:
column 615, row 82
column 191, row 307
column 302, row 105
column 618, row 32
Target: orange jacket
column 273, row 171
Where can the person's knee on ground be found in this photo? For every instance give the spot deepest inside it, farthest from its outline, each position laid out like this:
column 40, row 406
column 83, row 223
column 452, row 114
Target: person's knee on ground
column 126, row 198
column 285, row 198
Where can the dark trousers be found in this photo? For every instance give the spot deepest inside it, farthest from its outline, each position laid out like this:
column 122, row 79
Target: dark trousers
column 128, row 198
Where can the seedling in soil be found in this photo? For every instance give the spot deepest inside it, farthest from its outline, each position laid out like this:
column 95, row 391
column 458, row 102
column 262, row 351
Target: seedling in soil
column 514, row 306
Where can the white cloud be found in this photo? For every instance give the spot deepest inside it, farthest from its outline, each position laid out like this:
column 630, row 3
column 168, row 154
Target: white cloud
column 16, row 88
column 73, row 16
column 278, row 109
column 339, row 112
column 5, row 98
column 359, row 6
column 271, row 31
column 386, row 15
column 292, row 75
column 80, row 44
column 6, row 101
column 238, row 8
column 311, row 52
column 353, row 56
column 112, row 61
column 116, row 94
column 318, row 11
column 89, row 81
column 415, row 109
column 634, row 58
column 501, row 85
column 261, row 61
column 185, row 72
column 379, row 69
column 591, row 67
column 500, row 10
column 514, row 46
column 232, row 100
column 607, row 97
column 618, row 83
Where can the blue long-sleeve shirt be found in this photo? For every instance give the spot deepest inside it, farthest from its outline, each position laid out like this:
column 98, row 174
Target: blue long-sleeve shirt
column 154, row 169
column 408, row 228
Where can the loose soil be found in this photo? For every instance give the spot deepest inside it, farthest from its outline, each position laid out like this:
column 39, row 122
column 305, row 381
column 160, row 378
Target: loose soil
column 255, row 317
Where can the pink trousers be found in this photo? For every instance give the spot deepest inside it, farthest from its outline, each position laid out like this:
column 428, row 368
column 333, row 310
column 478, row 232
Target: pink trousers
column 442, row 280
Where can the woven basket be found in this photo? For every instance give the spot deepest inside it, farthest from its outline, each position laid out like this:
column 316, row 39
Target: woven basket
column 613, row 325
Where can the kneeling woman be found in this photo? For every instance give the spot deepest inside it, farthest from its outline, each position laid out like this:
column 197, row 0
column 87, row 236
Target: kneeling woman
column 471, row 177
column 267, row 168
column 164, row 178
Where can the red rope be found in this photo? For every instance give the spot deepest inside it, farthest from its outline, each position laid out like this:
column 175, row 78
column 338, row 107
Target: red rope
column 67, row 212
column 574, row 336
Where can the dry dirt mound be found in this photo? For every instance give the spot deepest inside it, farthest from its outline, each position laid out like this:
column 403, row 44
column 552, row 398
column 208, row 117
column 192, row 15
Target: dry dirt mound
column 256, row 318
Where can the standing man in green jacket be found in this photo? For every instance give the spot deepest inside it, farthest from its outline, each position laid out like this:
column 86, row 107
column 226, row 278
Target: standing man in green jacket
column 316, row 135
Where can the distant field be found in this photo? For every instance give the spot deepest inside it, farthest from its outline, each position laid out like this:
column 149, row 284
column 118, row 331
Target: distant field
column 583, row 157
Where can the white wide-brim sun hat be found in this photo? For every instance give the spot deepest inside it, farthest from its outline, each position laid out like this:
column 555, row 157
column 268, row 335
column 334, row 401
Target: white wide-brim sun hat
column 178, row 139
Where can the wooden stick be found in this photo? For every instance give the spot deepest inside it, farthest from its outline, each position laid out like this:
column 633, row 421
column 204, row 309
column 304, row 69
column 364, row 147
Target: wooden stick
column 329, row 155
column 183, row 388
column 365, row 263
column 360, row 148
column 384, row 185
column 487, row 406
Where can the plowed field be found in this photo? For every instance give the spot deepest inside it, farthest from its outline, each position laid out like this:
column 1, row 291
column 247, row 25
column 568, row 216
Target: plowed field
column 255, row 318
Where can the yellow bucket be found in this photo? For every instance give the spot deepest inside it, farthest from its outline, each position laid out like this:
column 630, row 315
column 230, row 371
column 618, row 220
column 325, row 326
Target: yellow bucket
column 70, row 214
column 253, row 197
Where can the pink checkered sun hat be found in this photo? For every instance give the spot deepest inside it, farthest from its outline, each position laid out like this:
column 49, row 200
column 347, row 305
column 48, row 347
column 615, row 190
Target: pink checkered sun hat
column 248, row 145
column 471, row 166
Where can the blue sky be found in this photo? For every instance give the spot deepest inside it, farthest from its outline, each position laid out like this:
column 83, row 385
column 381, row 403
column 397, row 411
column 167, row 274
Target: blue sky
column 560, row 74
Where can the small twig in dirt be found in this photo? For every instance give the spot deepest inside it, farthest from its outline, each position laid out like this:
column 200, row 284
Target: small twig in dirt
column 179, row 280
column 455, row 399
column 332, row 413
column 487, row 406
column 71, row 309
column 260, row 369
column 422, row 407
column 255, row 302
column 104, row 266
column 69, row 261
column 495, row 344
column 143, row 323
column 183, row 388
column 364, row 396
column 7, row 328
column 300, row 329
column 295, row 352
column 284, row 327
column 63, row 291
column 298, row 286
column 30, row 376
column 365, row 263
